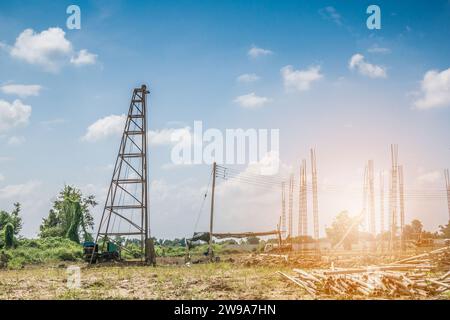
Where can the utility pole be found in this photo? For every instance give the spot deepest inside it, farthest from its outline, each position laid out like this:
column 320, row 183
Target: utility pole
column 211, row 220
column 447, row 185
column 315, row 199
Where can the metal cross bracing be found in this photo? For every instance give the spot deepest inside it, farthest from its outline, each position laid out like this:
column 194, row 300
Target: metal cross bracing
column 125, row 215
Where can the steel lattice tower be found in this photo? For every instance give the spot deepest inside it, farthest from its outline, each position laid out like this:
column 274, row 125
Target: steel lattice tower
column 126, row 208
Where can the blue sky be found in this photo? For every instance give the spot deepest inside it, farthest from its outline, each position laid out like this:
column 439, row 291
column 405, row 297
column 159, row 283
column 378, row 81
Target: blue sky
column 190, row 53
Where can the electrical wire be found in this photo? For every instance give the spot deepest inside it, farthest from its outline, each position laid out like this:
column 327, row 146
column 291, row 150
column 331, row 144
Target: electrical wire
column 202, row 203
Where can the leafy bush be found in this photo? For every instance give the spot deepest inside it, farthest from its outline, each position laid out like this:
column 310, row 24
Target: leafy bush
column 36, row 251
column 133, row 251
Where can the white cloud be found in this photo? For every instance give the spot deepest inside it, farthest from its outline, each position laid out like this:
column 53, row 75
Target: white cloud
column 357, row 62
column 435, row 90
column 18, row 190
column 21, row 90
column 255, row 52
column 13, row 114
column 300, row 80
column 251, row 101
column 247, row 77
column 2, row 177
column 103, row 128
column 330, row 13
column 45, row 48
column 166, row 136
column 16, row 141
column 83, row 57
column 49, row 49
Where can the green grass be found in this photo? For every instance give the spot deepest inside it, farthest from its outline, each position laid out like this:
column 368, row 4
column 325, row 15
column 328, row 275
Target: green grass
column 38, row 251
column 56, row 249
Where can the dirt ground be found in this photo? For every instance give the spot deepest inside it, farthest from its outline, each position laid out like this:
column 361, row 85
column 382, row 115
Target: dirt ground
column 199, row 281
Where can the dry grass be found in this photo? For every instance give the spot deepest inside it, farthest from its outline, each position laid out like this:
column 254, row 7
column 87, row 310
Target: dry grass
column 201, row 281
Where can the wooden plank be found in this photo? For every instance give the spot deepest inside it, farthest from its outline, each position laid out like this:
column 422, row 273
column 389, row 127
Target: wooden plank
column 299, row 283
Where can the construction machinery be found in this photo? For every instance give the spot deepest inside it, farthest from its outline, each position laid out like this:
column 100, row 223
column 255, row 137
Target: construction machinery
column 92, row 255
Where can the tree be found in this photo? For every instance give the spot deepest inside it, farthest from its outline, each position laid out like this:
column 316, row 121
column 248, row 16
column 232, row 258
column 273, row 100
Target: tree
column 70, row 216
column 444, row 231
column 342, row 222
column 413, row 231
column 75, row 216
column 9, row 235
column 13, row 218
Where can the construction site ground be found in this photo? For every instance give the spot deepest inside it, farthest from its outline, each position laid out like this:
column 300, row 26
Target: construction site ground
column 242, row 276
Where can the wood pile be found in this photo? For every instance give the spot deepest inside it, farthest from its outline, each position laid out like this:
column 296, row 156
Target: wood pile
column 264, row 260
column 410, row 277
column 277, row 260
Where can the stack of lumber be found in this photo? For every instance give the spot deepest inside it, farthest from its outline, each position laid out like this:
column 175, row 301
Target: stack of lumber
column 380, row 283
column 436, row 260
column 407, row 277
